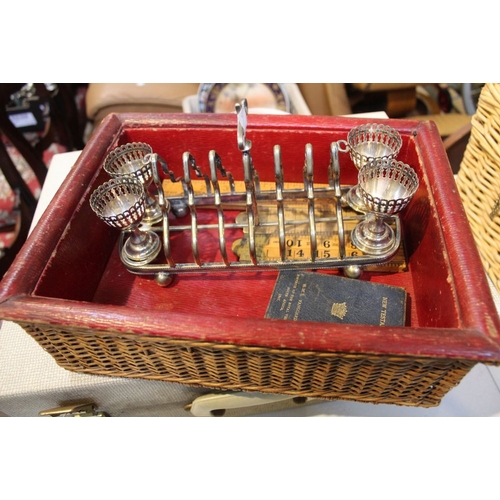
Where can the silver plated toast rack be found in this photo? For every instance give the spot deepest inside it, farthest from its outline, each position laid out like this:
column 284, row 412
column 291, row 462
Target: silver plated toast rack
column 216, row 224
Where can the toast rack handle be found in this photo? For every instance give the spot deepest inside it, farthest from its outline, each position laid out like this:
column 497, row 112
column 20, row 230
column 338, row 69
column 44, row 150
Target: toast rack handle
column 242, row 114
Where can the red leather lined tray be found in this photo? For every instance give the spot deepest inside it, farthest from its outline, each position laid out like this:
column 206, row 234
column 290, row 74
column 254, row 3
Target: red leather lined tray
column 69, row 277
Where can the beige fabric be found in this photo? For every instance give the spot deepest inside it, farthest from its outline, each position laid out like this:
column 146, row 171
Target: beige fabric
column 447, row 123
column 382, row 87
column 103, row 98
column 326, row 98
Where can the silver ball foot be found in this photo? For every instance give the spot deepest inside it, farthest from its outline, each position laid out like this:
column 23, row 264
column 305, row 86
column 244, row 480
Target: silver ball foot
column 353, row 272
column 163, row 279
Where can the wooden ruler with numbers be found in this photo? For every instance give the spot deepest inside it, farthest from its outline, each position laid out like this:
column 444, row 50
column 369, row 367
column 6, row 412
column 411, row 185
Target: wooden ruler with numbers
column 298, row 245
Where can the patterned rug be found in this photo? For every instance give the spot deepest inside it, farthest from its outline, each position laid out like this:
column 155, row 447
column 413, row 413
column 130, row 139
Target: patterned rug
column 8, row 202
column 9, row 212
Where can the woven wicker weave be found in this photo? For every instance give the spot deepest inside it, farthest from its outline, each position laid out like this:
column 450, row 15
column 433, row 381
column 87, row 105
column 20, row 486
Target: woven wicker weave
column 478, row 179
column 409, row 381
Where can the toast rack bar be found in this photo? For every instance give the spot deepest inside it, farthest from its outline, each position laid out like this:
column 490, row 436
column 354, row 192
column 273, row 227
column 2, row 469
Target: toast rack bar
column 249, row 203
column 329, row 263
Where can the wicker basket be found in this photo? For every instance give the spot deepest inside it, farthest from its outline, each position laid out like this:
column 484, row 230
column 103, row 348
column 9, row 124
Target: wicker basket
column 478, row 179
column 69, row 290
column 403, row 380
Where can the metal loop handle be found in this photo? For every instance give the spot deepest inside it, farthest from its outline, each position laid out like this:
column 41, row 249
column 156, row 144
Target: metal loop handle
column 164, row 205
column 188, row 163
column 343, row 146
column 215, row 166
column 242, row 113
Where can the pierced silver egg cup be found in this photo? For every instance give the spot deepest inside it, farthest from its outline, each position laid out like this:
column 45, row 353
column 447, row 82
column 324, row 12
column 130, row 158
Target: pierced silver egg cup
column 367, row 143
column 121, row 203
column 135, row 160
column 386, row 187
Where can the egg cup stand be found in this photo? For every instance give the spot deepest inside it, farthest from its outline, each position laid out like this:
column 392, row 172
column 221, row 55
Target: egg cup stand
column 70, row 291
column 323, row 207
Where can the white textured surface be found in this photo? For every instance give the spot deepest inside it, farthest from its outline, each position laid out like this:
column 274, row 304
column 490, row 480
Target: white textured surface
column 60, row 166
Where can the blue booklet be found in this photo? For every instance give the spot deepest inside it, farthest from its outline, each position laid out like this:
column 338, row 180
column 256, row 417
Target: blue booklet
column 313, row 296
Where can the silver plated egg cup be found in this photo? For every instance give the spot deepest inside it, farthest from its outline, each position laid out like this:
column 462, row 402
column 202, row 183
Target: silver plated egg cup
column 121, row 203
column 386, row 187
column 367, row 143
column 135, row 160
